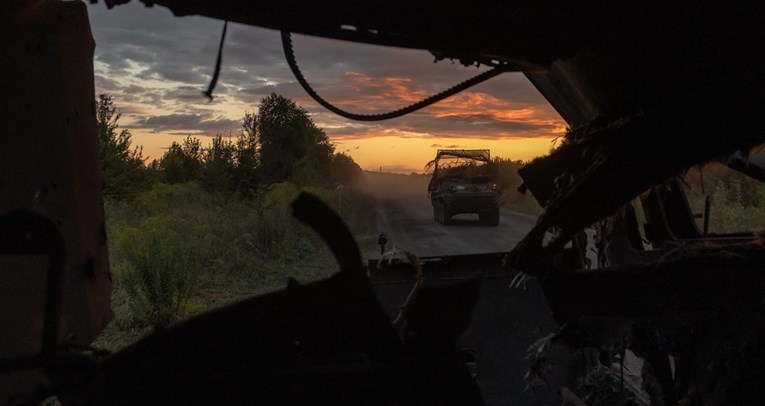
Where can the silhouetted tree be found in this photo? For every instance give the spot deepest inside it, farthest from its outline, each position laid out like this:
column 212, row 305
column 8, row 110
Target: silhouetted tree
column 280, row 143
column 344, row 169
column 219, row 166
column 292, row 147
column 313, row 167
column 182, row 162
column 508, row 181
column 507, row 173
column 245, row 176
column 122, row 169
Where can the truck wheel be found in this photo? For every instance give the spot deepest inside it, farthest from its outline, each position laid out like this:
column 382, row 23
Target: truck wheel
column 445, row 215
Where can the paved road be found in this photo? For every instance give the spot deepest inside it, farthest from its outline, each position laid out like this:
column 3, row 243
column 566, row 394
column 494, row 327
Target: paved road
column 408, row 222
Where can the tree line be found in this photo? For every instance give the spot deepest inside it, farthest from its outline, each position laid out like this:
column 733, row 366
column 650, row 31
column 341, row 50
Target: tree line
column 279, row 143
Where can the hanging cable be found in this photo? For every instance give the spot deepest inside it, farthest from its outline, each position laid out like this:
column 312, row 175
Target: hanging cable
column 289, row 53
column 216, row 72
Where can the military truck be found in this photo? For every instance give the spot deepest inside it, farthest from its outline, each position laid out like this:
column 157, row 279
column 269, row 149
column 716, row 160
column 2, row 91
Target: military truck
column 464, row 181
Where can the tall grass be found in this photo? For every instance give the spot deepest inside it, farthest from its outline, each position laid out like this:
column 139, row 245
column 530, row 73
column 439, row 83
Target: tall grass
column 177, row 250
column 737, row 201
column 157, row 276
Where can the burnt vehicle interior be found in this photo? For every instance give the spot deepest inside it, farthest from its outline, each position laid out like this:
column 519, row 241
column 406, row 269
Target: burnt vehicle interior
column 650, row 90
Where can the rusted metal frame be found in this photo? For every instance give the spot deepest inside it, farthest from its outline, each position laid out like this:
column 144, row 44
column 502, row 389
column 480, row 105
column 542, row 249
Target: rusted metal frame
column 26, row 233
column 49, row 166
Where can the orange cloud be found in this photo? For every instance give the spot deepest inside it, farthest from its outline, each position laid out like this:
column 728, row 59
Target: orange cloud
column 385, row 92
column 474, row 108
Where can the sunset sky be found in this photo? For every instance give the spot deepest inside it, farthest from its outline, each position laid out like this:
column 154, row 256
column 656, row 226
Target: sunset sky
column 156, row 66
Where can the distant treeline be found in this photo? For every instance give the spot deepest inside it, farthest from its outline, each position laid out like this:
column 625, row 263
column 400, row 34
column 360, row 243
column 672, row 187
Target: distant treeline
column 278, row 144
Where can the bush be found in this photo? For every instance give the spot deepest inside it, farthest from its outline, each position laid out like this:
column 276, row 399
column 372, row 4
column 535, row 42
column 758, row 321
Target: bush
column 520, row 202
column 274, row 222
column 729, row 214
column 157, row 273
column 122, row 171
column 508, row 181
column 737, row 200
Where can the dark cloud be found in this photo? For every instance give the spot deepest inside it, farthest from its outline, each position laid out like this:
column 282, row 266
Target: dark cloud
column 150, row 33
column 253, row 94
column 419, row 125
column 189, row 122
column 140, row 95
column 191, row 133
column 320, row 57
column 476, row 125
column 184, row 50
column 106, row 85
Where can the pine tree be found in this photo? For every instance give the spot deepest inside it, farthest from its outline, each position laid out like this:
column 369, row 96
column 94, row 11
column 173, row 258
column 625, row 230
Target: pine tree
column 122, row 167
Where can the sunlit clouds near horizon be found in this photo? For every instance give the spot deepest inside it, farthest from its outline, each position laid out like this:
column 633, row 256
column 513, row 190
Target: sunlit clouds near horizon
column 156, row 66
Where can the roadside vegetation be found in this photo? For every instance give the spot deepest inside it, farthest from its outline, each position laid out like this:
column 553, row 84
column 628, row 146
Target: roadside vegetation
column 209, row 224
column 509, row 181
column 737, row 201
